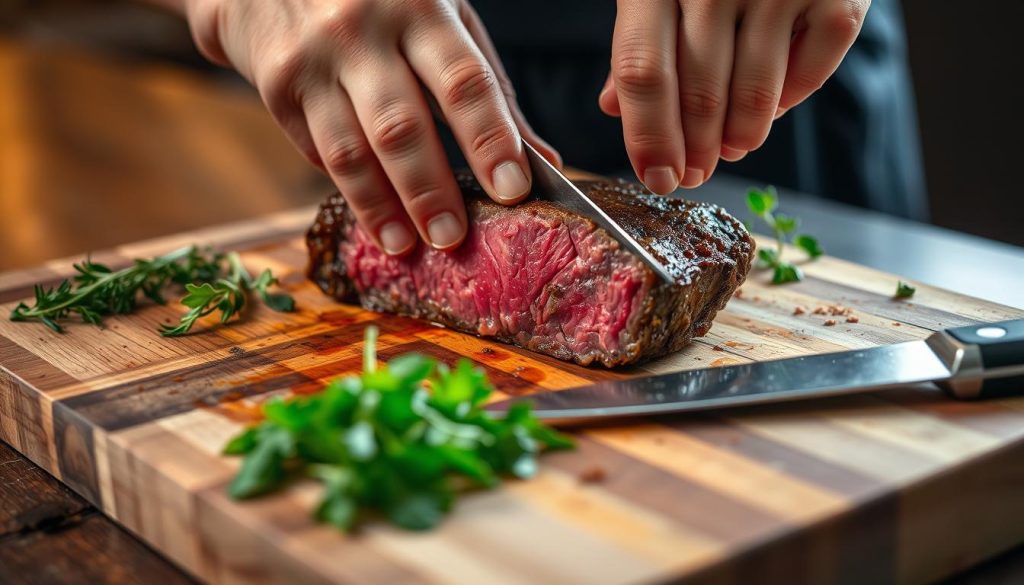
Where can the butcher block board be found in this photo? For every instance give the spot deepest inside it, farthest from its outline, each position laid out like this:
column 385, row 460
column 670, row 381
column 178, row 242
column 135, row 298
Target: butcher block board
column 902, row 486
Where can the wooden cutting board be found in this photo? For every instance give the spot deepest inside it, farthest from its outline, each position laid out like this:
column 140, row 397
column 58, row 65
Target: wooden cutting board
column 904, row 485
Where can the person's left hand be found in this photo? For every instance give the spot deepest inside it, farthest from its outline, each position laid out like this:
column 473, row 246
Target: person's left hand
column 699, row 80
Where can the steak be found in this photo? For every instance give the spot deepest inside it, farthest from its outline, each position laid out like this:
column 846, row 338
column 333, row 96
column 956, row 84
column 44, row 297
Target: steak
column 546, row 279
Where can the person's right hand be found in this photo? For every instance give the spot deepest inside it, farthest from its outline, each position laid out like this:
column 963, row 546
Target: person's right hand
column 342, row 78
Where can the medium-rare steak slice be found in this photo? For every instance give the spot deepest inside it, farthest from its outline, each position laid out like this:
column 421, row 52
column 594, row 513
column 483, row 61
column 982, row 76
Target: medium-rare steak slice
column 546, row 279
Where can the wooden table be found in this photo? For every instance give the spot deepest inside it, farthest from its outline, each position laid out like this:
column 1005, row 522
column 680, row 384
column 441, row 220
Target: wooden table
column 98, row 152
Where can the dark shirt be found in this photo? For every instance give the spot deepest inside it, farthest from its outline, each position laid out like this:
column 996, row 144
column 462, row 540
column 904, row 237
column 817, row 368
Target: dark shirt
column 855, row 140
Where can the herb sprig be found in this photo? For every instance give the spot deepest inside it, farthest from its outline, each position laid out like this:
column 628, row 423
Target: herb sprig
column 398, row 441
column 97, row 291
column 763, row 203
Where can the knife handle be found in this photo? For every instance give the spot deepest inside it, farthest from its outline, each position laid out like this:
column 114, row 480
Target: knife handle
column 990, row 360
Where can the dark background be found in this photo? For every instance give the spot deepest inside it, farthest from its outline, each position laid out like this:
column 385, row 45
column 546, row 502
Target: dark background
column 966, row 64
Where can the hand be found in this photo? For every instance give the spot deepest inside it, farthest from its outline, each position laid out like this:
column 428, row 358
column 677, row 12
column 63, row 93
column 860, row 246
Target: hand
column 695, row 80
column 342, row 78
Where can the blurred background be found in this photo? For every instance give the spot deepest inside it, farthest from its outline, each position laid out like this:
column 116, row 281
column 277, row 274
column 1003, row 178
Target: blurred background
column 111, row 123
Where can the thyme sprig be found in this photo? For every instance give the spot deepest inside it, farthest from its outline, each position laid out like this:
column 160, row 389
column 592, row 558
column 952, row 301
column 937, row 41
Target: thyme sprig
column 213, row 280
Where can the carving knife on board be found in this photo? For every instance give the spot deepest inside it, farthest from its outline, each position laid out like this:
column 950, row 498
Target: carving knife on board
column 972, row 362
column 550, row 184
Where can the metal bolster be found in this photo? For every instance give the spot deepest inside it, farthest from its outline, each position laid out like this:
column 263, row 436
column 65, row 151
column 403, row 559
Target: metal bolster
column 964, row 363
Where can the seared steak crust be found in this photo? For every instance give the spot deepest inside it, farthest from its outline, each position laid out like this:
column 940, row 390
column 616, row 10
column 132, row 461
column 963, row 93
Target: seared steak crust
column 546, row 279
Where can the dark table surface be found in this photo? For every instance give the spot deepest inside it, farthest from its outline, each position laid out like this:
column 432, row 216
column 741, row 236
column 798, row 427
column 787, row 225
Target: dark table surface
column 101, row 152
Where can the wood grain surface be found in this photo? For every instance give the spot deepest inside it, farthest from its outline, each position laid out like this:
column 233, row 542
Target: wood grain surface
column 903, row 485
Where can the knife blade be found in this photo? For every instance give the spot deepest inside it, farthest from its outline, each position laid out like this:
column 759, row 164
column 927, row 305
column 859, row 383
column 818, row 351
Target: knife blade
column 977, row 361
column 550, row 184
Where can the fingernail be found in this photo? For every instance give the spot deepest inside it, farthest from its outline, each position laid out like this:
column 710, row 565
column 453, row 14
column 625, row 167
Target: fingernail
column 732, row 154
column 395, row 237
column 693, row 178
column 661, row 180
column 510, row 181
column 444, row 230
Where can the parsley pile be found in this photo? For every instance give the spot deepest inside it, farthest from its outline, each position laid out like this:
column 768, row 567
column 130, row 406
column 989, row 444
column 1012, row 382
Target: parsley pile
column 398, row 441
column 762, row 203
column 213, row 281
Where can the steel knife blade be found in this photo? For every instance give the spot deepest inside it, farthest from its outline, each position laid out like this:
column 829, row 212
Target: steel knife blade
column 976, row 361
column 550, row 184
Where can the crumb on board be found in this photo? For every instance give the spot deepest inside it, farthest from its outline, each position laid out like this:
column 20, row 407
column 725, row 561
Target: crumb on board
column 718, row 348
column 593, row 474
column 738, row 294
column 896, row 324
column 853, row 319
column 820, row 311
column 830, row 322
column 738, row 345
column 799, row 310
column 487, row 351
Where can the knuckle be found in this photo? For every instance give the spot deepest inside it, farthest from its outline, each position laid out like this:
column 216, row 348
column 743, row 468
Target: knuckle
column 492, row 139
column 277, row 79
column 369, row 206
column 396, row 130
column 347, row 157
column 422, row 7
column 808, row 81
column 755, row 99
column 701, row 101
column 640, row 70
column 845, row 19
column 425, row 200
column 466, row 82
column 344, row 22
column 648, row 140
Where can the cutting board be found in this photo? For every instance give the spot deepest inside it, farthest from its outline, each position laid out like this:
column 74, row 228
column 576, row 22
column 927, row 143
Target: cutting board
column 902, row 485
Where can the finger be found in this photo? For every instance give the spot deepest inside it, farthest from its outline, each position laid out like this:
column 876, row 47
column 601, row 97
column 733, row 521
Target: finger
column 731, row 154
column 644, row 68
column 446, row 59
column 762, row 49
column 827, row 32
column 705, row 66
column 483, row 40
column 353, row 167
column 609, row 98
column 395, row 118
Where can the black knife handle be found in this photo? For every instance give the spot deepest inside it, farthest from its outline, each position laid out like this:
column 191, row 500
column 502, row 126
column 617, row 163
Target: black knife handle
column 999, row 350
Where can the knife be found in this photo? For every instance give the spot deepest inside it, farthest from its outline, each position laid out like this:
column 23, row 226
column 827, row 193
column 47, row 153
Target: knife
column 550, row 184
column 972, row 362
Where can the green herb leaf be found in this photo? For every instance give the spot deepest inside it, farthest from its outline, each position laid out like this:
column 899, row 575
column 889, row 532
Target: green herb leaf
column 242, row 444
column 263, row 469
column 785, row 224
column 767, row 257
column 420, row 511
column 761, row 201
column 786, row 272
column 904, row 290
column 809, row 244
